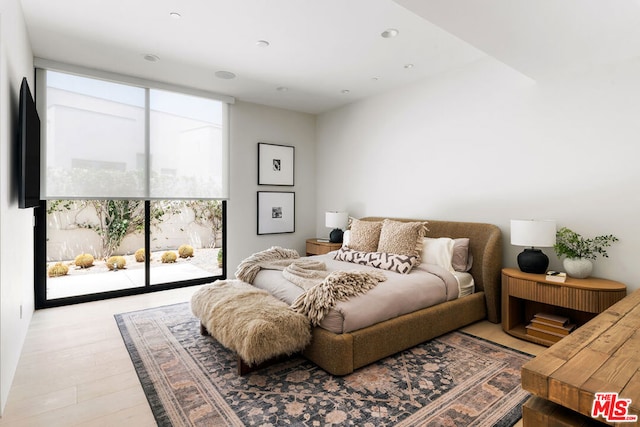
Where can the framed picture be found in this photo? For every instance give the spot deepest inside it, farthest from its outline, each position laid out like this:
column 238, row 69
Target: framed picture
column 276, row 212
column 275, row 164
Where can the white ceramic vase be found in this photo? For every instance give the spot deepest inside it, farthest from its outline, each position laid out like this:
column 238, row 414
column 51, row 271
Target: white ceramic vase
column 579, row 268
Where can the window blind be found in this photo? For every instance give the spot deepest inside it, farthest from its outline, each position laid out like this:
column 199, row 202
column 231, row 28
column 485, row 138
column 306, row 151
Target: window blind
column 112, row 140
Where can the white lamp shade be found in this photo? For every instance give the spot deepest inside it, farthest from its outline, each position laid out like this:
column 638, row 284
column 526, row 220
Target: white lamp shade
column 530, row 232
column 336, row 220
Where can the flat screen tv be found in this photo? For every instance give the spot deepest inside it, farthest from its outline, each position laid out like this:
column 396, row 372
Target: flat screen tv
column 28, row 150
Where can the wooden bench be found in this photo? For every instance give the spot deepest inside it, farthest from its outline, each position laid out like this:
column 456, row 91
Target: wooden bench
column 601, row 356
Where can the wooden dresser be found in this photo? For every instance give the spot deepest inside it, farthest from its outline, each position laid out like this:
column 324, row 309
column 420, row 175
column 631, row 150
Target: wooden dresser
column 601, row 356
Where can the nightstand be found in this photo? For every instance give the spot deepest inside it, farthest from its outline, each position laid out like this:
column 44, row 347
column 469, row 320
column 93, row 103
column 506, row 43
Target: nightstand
column 316, row 247
column 525, row 294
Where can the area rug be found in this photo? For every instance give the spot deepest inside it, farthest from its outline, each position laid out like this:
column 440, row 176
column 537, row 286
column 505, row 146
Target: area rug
column 190, row 380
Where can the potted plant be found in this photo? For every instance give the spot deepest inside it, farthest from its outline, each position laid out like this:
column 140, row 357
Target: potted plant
column 579, row 252
column 220, row 258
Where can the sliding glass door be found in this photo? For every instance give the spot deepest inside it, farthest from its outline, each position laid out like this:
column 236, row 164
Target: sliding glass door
column 134, row 175
column 186, row 241
column 95, row 249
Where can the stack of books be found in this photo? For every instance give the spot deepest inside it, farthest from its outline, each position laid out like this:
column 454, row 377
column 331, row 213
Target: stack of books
column 556, row 276
column 550, row 327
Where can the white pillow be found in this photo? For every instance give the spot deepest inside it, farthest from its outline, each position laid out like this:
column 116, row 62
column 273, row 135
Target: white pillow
column 346, row 237
column 438, row 251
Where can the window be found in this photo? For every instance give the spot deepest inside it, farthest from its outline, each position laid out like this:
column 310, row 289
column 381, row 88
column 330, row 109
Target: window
column 107, row 140
column 128, row 168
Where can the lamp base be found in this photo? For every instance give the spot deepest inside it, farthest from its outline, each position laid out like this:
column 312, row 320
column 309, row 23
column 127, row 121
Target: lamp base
column 533, row 260
column 336, row 236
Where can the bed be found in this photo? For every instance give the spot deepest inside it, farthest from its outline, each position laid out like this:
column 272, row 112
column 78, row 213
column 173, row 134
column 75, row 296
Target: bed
column 340, row 344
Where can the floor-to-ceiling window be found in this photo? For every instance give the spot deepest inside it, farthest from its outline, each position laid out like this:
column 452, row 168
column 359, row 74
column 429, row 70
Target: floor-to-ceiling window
column 134, row 188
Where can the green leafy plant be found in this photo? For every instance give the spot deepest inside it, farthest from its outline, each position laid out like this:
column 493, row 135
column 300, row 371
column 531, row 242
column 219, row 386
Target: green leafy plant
column 207, row 213
column 572, row 245
column 116, row 218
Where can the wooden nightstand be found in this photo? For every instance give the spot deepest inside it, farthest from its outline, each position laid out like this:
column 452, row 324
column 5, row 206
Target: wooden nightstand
column 525, row 294
column 315, row 247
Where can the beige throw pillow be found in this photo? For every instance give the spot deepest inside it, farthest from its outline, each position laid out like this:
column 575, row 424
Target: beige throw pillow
column 364, row 235
column 402, row 238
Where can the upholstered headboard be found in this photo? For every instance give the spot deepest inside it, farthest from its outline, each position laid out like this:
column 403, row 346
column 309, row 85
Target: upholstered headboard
column 485, row 244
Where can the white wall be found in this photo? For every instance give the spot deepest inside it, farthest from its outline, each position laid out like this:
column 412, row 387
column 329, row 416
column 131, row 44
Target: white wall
column 250, row 124
column 16, row 232
column 487, row 144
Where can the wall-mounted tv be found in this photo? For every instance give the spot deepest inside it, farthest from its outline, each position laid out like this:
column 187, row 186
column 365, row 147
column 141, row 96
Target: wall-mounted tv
column 28, row 150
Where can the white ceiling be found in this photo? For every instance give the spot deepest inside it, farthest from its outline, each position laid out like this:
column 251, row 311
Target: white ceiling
column 320, row 48
column 541, row 38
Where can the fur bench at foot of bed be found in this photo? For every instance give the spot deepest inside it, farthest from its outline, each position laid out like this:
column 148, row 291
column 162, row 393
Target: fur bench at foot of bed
column 249, row 321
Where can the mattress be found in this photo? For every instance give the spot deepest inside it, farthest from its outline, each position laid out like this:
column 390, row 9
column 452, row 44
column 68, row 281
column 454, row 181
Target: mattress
column 424, row 286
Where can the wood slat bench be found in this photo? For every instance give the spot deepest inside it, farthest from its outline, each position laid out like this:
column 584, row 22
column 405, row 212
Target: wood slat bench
column 601, row 356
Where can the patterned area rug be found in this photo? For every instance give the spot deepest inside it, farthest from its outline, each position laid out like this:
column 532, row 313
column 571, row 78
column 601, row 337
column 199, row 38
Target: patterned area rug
column 190, row 380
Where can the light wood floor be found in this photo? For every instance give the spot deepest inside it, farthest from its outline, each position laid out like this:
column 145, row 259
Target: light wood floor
column 75, row 370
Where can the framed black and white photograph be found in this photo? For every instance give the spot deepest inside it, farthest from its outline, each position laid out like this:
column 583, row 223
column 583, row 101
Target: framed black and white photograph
column 276, row 212
column 275, row 164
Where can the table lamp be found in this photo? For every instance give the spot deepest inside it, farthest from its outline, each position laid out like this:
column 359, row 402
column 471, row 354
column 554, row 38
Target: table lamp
column 532, row 233
column 337, row 221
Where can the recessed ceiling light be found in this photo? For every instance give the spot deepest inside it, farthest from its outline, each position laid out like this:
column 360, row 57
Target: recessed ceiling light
column 407, row 66
column 389, row 33
column 226, row 75
column 345, row 91
column 282, row 88
column 175, row 15
column 262, row 43
column 151, row 57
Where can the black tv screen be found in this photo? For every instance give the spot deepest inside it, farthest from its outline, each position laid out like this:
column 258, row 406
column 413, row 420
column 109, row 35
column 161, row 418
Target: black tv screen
column 28, row 150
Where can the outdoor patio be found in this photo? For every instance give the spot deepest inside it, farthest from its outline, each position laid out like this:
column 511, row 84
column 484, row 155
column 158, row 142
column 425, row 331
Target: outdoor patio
column 98, row 278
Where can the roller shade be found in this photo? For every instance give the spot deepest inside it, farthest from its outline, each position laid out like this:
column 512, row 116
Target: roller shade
column 111, row 140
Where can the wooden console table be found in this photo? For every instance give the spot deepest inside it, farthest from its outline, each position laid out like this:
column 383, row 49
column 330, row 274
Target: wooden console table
column 601, row 356
column 525, row 294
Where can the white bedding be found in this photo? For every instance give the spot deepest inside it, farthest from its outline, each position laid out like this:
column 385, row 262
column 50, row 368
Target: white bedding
column 426, row 285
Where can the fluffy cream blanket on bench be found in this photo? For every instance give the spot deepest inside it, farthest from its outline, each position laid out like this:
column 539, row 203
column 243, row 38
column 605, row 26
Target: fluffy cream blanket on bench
column 249, row 321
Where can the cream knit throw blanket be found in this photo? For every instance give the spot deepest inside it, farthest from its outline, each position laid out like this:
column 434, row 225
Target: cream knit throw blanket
column 316, row 302
column 322, row 289
column 303, row 272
